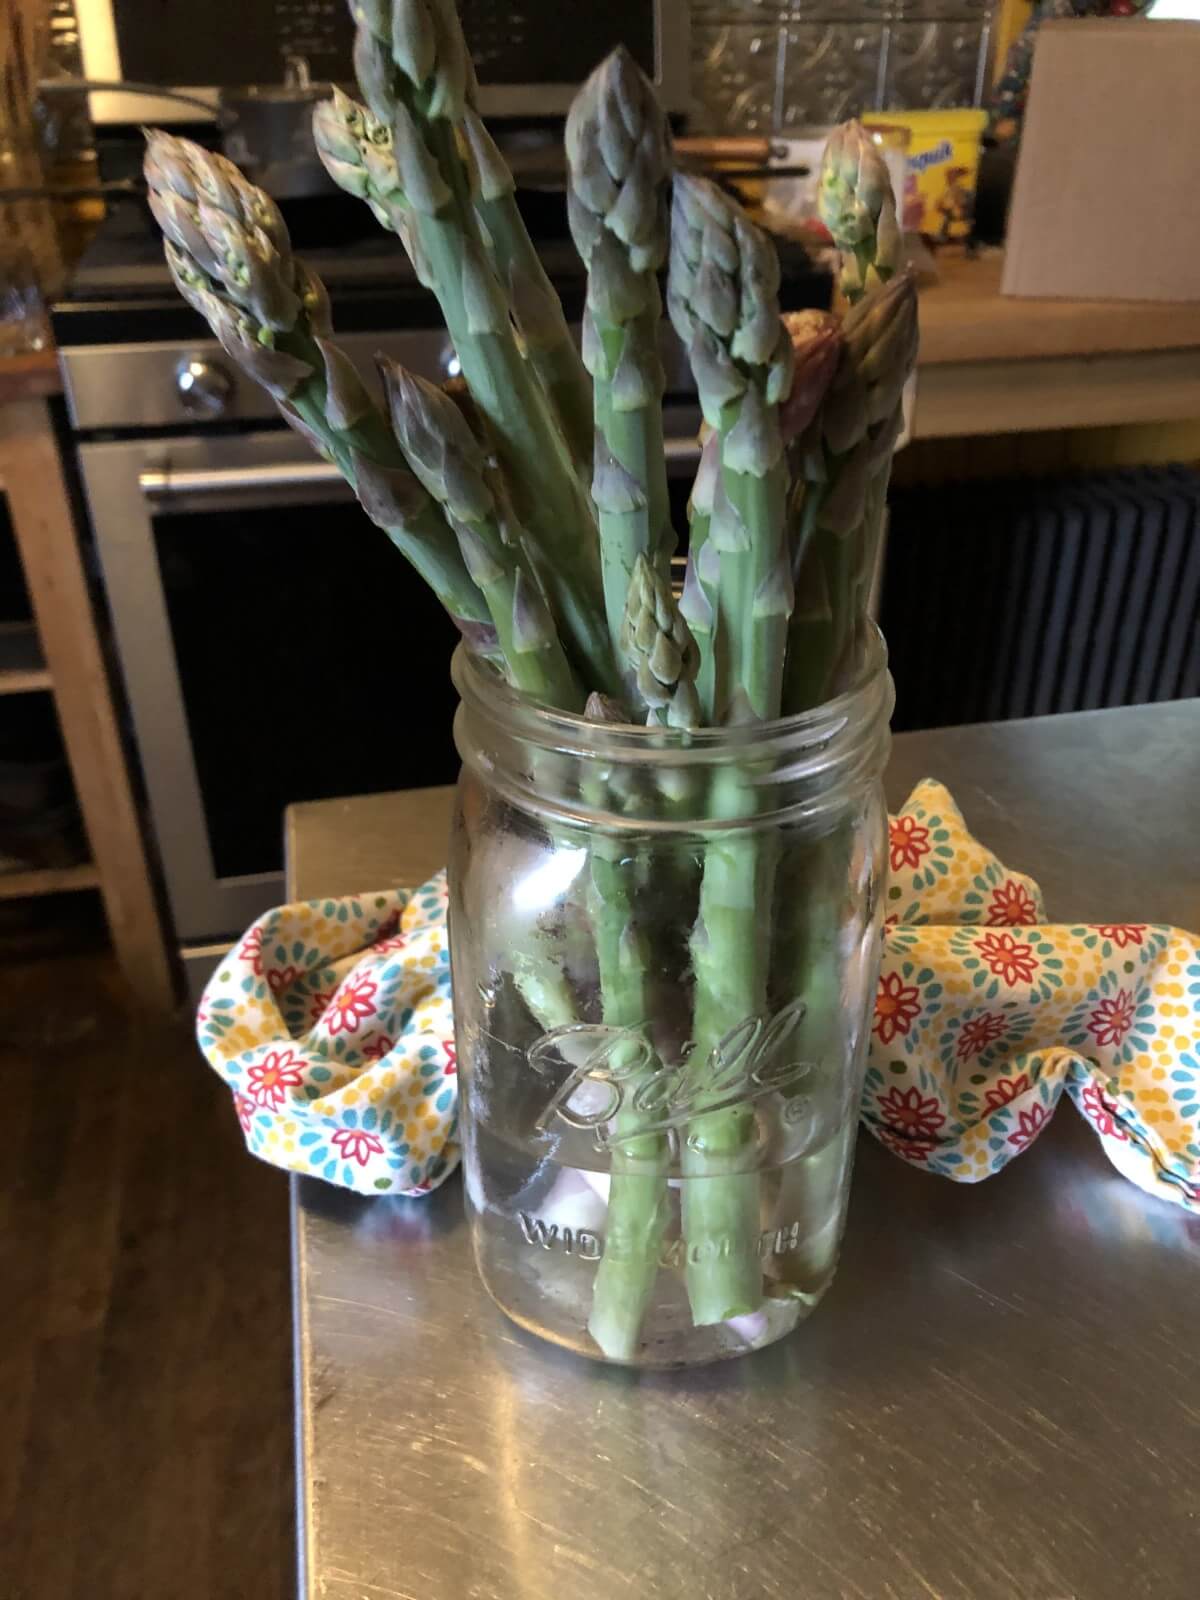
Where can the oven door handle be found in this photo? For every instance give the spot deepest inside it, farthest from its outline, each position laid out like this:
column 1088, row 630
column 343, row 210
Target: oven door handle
column 168, row 483
column 680, row 451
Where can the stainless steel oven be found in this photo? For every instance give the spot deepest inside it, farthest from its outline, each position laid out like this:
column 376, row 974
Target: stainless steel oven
column 530, row 57
column 274, row 646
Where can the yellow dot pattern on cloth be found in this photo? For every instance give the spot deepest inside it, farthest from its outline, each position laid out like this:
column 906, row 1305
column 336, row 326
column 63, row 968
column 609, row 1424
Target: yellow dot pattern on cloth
column 331, row 1022
column 985, row 1014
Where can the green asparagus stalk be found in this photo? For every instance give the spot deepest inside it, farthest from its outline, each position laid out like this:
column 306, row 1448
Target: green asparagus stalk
column 816, row 347
column 415, row 73
column 723, row 300
column 230, row 257
column 698, row 602
column 722, row 296
column 639, row 1161
column 619, row 159
column 358, row 153
column 549, row 346
column 857, row 205
column 844, row 457
column 452, row 467
column 657, row 644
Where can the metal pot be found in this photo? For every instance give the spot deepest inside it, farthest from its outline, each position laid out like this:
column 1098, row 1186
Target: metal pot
column 267, row 131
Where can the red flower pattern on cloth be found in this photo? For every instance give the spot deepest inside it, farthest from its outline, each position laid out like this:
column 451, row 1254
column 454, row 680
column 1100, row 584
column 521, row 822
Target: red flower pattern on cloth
column 353, row 1003
column 250, row 950
column 939, row 979
column 910, row 1113
column 1007, row 957
column 356, row 1145
column 1029, row 1124
column 281, row 978
column 1112, row 1018
column 1005, row 1090
column 908, row 841
column 978, row 1032
column 1101, row 1110
column 897, row 1006
column 270, row 1079
column 1011, row 906
column 910, row 1149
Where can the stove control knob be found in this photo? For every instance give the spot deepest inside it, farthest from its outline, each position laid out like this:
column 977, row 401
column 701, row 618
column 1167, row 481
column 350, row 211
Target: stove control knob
column 205, row 388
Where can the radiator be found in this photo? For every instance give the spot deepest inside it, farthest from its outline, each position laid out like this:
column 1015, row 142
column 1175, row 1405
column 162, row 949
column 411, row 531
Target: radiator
column 1022, row 597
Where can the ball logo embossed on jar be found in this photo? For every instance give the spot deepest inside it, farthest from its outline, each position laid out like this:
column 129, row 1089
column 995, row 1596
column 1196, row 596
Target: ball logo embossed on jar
column 598, row 1070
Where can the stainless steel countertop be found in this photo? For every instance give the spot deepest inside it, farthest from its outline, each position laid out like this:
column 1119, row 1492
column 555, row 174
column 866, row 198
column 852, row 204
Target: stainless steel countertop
column 998, row 1400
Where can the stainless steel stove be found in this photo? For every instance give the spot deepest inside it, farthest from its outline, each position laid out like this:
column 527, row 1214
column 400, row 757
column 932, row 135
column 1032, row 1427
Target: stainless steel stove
column 274, row 646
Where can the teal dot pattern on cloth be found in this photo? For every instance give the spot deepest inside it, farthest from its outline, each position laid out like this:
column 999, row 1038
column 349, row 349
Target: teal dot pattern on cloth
column 331, row 1022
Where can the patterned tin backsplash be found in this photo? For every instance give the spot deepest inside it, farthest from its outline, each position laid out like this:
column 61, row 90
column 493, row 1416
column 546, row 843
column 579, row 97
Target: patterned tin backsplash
column 759, row 66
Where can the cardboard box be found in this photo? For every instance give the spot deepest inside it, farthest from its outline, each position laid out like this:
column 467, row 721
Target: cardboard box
column 1106, row 201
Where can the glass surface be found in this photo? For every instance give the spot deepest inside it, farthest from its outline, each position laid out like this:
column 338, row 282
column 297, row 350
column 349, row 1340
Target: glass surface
column 23, row 324
column 556, row 43
column 665, row 950
column 539, row 41
column 312, row 663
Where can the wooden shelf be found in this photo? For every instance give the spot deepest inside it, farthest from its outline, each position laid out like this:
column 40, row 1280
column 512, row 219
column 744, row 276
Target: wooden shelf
column 24, row 680
column 22, row 668
column 48, row 880
column 67, row 649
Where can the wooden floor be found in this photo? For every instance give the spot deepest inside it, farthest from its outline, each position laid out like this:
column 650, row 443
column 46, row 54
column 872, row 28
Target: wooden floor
column 145, row 1368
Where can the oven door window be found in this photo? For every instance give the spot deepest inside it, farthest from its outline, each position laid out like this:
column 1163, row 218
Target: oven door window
column 312, row 662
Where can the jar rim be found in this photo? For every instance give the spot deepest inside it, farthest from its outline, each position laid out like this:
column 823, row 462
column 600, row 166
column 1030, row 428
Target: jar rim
column 481, row 687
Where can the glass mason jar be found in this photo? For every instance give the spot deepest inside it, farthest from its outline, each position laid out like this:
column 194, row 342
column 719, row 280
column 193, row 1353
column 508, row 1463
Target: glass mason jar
column 665, row 948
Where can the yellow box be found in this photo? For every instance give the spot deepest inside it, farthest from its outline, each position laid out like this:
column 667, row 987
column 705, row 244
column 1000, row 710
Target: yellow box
column 941, row 153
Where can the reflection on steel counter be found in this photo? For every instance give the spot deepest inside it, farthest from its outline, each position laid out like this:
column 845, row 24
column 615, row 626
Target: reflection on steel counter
column 993, row 1400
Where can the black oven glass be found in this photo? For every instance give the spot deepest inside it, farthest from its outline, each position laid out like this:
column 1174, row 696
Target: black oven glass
column 559, row 42
column 313, row 663
column 513, row 41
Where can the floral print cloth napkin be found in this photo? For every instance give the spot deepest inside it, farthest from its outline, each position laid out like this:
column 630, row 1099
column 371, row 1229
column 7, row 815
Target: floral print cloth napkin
column 986, row 1014
column 331, row 1022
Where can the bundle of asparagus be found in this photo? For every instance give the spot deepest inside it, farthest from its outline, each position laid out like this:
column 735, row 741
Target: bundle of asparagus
column 535, row 504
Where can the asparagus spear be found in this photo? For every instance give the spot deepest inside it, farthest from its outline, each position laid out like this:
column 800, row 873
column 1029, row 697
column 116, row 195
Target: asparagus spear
column 723, row 298
column 661, row 657
column 698, row 602
column 451, row 465
column 415, row 73
column 358, row 153
column 639, row 1161
column 657, row 644
column 536, row 307
column 844, row 459
column 619, row 158
column 857, row 205
column 230, row 257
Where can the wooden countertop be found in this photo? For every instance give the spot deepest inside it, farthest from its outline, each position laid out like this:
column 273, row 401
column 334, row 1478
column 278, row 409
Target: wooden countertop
column 29, row 377
column 964, row 317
